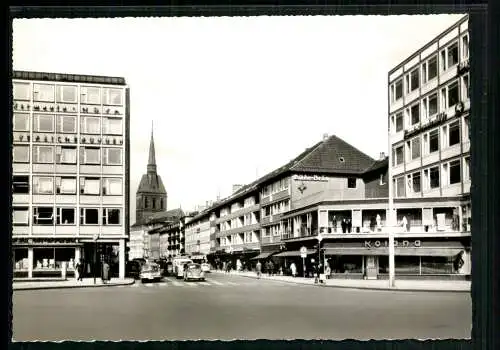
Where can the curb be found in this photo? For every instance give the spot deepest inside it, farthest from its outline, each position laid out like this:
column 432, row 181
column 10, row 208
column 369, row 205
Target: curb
column 365, row 288
column 75, row 286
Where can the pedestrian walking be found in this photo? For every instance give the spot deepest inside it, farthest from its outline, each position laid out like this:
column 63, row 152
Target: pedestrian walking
column 105, row 272
column 258, row 268
column 81, row 270
column 293, row 267
column 77, row 270
column 271, row 268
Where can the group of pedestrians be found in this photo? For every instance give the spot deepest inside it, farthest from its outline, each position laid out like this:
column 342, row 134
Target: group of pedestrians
column 270, row 269
column 80, row 271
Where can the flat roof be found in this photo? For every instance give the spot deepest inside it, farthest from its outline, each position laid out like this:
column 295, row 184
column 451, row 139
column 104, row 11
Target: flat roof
column 68, row 77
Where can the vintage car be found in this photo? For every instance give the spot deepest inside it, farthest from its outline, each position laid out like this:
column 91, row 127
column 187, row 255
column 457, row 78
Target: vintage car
column 205, row 267
column 193, row 271
column 150, row 271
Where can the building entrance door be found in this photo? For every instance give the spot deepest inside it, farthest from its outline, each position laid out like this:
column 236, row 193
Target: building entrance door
column 371, row 267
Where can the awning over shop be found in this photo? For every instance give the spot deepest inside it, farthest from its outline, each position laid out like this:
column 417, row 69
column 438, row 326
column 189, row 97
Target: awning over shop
column 263, row 255
column 295, row 253
column 406, row 251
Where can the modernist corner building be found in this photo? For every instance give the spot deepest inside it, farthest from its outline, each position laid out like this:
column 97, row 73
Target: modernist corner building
column 429, row 122
column 70, row 185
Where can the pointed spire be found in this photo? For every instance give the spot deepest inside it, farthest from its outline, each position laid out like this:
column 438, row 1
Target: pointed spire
column 152, row 158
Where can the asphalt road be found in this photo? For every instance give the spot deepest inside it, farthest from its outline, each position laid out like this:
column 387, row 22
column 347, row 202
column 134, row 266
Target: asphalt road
column 234, row 307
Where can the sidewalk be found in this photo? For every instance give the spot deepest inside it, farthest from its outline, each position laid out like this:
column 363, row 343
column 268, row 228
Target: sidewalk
column 400, row 285
column 33, row 284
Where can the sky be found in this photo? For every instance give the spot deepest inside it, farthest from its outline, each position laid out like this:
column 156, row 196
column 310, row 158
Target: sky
column 233, row 98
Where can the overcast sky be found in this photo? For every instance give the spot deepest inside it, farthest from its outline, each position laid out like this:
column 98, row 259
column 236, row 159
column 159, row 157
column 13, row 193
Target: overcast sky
column 233, row 98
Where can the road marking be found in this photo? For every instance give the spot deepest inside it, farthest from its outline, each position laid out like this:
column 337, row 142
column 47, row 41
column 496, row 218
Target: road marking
column 215, row 282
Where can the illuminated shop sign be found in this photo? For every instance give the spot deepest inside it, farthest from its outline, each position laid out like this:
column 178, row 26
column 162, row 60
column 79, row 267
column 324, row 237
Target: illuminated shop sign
column 320, row 178
column 404, row 243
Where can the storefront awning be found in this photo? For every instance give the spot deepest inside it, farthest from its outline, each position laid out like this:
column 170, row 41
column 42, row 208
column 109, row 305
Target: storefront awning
column 397, row 251
column 263, row 255
column 295, row 253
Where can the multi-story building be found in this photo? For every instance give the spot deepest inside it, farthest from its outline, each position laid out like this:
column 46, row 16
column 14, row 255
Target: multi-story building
column 197, row 235
column 430, row 161
column 70, row 171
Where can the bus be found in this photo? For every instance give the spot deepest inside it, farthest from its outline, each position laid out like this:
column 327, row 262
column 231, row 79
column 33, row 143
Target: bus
column 178, row 265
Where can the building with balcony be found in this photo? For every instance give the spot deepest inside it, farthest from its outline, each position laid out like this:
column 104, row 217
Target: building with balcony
column 429, row 122
column 70, row 185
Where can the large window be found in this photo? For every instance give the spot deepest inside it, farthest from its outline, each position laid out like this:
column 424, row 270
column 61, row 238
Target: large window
column 112, row 126
column 112, row 156
column 399, row 122
column 434, row 177
column 110, row 216
column 398, row 155
column 43, row 154
column 434, row 141
column 455, row 172
column 21, row 122
column 400, row 187
column 43, row 216
column 66, row 124
column 453, row 94
column 399, row 89
column 65, row 185
column 415, row 114
column 90, row 125
column 20, row 216
column 436, row 265
column 112, row 96
column 432, row 68
column 416, row 184
column 112, row 186
column 89, row 216
column 454, row 133
column 21, row 184
column 90, row 155
column 43, row 93
column 414, row 80
column 21, row 91
column 415, row 148
column 43, row 123
column 43, row 185
column 90, row 185
column 452, row 54
column 90, row 95
column 66, row 154
column 433, row 105
column 66, row 93
column 65, row 216
column 20, row 154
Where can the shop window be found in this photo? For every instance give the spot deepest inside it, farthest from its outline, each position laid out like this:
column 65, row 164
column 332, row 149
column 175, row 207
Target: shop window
column 90, row 185
column 90, row 95
column 43, row 123
column 398, row 155
column 21, row 122
column 65, row 216
column 112, row 126
column 20, row 184
column 90, row 155
column 415, row 114
column 351, row 182
column 20, row 257
column 434, row 141
column 21, row 91
column 66, row 124
column 111, row 216
column 66, row 185
column 433, row 105
column 66, row 255
column 414, row 79
column 454, row 133
column 20, row 216
column 399, row 122
column 43, row 93
column 43, row 259
column 399, row 89
column 452, row 54
column 435, row 265
column 43, row 185
column 20, row 154
column 455, row 171
column 406, row 265
column 112, row 186
column 43, row 216
column 43, row 154
column 90, row 125
column 89, row 216
column 112, row 156
column 434, row 177
column 66, row 93
column 112, row 96
column 66, row 154
column 415, row 148
column 453, row 95
column 432, row 68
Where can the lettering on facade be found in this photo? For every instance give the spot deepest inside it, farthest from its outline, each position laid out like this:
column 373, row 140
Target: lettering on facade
column 319, row 178
column 404, row 243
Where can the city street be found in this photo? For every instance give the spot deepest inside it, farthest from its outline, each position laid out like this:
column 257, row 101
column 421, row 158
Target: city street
column 233, row 307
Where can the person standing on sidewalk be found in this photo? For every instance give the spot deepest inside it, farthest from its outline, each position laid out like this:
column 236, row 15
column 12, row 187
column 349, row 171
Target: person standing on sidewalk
column 293, row 267
column 105, row 272
column 77, row 270
column 271, row 268
column 258, row 268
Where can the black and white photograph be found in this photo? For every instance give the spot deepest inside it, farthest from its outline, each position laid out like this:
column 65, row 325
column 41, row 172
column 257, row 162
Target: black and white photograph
column 259, row 177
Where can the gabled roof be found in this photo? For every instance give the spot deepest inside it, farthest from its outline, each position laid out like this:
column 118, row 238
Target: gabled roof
column 164, row 216
column 151, row 183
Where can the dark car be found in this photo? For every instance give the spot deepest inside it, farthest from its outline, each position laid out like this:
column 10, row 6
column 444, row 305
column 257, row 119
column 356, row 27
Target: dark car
column 133, row 269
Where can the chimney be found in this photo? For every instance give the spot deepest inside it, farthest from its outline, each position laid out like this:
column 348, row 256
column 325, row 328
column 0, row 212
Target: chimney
column 382, row 155
column 236, row 187
column 325, row 137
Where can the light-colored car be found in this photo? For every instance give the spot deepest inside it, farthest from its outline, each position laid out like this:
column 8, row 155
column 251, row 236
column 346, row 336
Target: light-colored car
column 205, row 267
column 193, row 271
column 150, row 271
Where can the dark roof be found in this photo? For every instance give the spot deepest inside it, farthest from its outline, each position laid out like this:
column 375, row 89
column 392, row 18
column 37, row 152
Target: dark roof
column 151, row 183
column 65, row 77
column 378, row 165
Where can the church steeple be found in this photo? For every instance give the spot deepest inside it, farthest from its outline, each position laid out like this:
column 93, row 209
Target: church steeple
column 152, row 158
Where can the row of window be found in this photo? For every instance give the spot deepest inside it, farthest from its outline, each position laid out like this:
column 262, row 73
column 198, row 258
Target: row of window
column 50, row 123
column 431, row 105
column 108, row 186
column 248, row 237
column 67, row 93
column 428, row 70
column 276, row 208
column 275, row 187
column 447, row 135
column 67, row 155
column 66, row 216
column 448, row 173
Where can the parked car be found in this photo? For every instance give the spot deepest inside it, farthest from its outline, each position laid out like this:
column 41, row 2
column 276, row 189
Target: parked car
column 193, row 272
column 205, row 267
column 133, row 269
column 150, row 271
